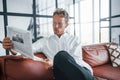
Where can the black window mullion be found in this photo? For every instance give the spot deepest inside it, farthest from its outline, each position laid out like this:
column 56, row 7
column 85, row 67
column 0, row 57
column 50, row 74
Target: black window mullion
column 5, row 20
column 34, row 20
column 99, row 21
column 74, row 16
column 110, row 21
column 5, row 16
column 56, row 3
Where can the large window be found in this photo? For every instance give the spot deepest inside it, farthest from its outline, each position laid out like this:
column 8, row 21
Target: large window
column 86, row 19
column 104, row 20
column 115, row 21
column 32, row 15
column 89, row 19
column 93, row 20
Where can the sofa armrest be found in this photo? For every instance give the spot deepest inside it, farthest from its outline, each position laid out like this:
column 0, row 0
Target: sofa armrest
column 19, row 68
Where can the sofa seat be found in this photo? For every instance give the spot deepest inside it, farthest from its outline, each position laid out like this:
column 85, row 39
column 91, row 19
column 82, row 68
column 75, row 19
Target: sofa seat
column 107, row 72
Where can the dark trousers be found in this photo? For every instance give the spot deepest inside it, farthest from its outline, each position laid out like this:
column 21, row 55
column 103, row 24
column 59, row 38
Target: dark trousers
column 65, row 68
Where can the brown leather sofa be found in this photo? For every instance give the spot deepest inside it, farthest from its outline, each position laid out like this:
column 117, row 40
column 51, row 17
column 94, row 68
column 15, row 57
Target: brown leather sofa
column 98, row 57
column 19, row 68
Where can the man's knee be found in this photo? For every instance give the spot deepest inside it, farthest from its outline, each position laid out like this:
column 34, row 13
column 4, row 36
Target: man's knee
column 60, row 55
column 63, row 56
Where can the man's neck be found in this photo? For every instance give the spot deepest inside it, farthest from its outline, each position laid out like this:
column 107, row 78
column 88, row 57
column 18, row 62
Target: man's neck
column 60, row 35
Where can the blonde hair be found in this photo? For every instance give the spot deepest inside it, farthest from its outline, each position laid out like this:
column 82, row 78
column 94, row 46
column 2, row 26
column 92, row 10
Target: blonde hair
column 62, row 12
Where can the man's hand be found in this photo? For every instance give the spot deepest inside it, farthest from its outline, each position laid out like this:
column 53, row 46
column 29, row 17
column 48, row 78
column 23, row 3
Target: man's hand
column 7, row 43
column 48, row 63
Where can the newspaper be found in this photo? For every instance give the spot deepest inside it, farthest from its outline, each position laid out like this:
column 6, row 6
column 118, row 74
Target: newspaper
column 22, row 42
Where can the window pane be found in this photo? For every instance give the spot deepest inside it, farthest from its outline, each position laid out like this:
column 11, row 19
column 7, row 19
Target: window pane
column 77, row 30
column 21, row 22
column 115, row 7
column 45, row 7
column 77, row 12
column 71, row 29
column 104, row 23
column 19, row 6
column 115, row 35
column 96, row 32
column 68, row 5
column 1, row 5
column 104, row 34
column 86, row 11
column 61, row 3
column 64, row 3
column 104, row 8
column 71, row 11
column 96, row 10
column 1, row 28
column 46, row 28
column 115, row 21
column 2, row 51
column 86, row 33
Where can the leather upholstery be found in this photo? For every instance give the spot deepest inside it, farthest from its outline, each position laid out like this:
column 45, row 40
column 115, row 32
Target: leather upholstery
column 98, row 57
column 19, row 68
column 107, row 71
column 95, row 55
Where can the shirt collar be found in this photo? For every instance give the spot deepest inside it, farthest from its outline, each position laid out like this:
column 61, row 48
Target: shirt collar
column 61, row 35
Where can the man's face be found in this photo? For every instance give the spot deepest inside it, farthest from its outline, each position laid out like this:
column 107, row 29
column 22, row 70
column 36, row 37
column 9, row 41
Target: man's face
column 59, row 25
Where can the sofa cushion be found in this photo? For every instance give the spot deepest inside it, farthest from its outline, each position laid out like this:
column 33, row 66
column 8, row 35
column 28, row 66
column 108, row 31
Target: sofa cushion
column 95, row 55
column 114, row 51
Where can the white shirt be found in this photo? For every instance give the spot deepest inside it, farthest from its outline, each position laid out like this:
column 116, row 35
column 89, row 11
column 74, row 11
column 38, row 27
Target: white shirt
column 52, row 45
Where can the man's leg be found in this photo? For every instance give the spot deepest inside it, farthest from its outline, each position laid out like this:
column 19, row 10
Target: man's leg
column 65, row 68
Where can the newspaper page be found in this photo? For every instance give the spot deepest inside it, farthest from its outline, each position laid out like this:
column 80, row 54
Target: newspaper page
column 22, row 41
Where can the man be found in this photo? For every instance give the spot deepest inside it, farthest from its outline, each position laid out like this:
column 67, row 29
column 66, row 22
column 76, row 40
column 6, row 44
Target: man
column 64, row 49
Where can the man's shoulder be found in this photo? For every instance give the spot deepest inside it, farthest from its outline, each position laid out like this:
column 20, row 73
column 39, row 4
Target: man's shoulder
column 72, row 36
column 52, row 36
